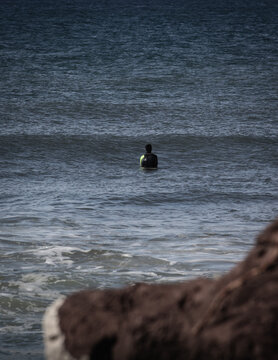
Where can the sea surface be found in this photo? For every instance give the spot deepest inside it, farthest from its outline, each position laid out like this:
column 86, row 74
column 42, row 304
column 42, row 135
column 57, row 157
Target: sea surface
column 84, row 85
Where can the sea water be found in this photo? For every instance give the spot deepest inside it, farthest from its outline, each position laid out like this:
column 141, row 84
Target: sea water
column 84, row 86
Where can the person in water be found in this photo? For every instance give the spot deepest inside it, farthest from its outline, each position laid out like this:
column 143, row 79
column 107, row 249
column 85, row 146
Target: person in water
column 148, row 160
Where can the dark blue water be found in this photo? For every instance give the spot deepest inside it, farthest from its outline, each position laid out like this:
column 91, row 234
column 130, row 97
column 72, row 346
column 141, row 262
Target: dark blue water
column 84, row 86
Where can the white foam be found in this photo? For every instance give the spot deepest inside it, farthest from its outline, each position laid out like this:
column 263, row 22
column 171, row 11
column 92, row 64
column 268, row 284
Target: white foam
column 34, row 283
column 55, row 254
column 127, row 255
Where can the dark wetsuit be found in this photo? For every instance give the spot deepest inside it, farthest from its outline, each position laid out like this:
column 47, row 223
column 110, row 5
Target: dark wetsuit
column 149, row 160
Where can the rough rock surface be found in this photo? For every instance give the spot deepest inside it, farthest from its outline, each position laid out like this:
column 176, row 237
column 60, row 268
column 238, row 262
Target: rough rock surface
column 233, row 317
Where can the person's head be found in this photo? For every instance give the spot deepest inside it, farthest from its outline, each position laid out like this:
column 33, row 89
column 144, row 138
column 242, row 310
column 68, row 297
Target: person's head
column 148, row 148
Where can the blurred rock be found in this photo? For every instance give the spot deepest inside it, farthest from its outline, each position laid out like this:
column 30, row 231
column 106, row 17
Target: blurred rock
column 233, row 317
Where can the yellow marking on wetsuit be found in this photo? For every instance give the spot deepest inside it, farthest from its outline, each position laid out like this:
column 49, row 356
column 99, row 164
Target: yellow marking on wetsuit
column 141, row 159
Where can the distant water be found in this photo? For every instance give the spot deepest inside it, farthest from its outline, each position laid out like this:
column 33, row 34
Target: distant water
column 84, row 86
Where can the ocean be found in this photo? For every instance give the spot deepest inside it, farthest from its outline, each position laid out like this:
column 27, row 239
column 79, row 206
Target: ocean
column 85, row 85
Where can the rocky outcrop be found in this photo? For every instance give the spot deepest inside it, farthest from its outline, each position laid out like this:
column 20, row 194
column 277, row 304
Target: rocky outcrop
column 233, row 317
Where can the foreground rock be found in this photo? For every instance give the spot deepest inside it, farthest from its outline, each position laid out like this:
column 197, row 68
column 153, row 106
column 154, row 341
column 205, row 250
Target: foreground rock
column 234, row 317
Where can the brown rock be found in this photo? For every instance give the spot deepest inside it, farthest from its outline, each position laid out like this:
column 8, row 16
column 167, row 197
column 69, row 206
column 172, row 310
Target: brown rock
column 234, row 317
